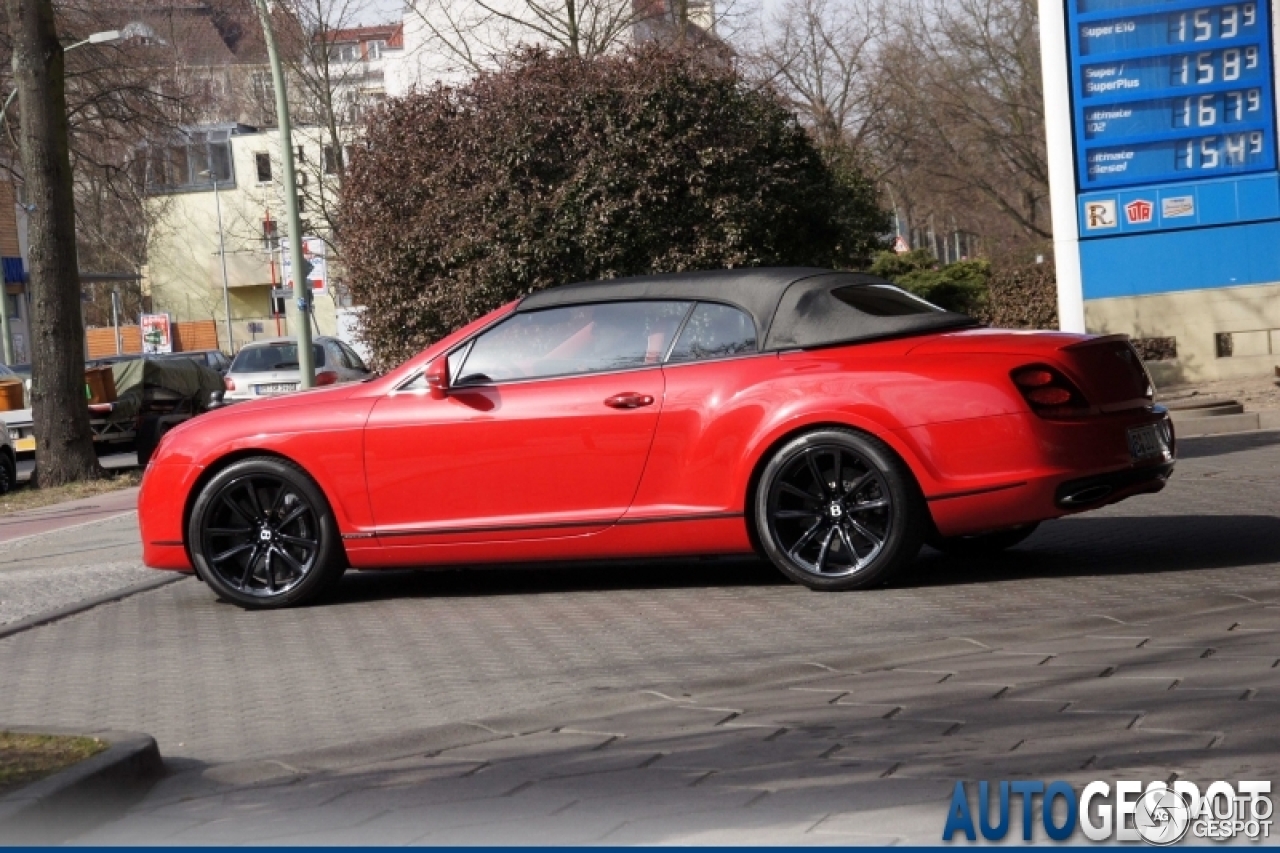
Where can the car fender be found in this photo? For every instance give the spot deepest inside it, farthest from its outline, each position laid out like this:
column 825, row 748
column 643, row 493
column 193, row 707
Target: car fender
column 777, row 432
column 335, row 450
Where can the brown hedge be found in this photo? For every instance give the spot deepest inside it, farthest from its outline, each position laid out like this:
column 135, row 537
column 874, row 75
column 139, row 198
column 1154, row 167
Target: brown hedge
column 1021, row 295
column 558, row 169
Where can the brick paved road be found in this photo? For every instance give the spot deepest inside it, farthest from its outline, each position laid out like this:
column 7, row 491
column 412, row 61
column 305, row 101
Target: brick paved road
column 402, row 654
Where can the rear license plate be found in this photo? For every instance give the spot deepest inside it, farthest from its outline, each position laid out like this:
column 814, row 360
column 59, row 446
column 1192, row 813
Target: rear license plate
column 24, row 445
column 1147, row 442
column 276, row 388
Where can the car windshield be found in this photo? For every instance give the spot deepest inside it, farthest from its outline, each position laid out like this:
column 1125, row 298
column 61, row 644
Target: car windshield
column 281, row 356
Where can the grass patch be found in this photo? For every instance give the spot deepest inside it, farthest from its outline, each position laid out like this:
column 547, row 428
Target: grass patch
column 26, row 497
column 27, row 758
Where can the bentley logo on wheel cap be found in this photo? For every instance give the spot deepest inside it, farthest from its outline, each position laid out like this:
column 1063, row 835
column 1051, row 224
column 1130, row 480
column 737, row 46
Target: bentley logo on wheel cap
column 835, row 510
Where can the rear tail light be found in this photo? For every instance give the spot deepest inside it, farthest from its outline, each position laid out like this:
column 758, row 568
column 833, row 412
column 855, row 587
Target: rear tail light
column 326, row 377
column 229, row 383
column 1049, row 393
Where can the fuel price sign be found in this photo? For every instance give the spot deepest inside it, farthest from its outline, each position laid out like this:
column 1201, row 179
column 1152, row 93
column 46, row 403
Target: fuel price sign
column 1170, row 91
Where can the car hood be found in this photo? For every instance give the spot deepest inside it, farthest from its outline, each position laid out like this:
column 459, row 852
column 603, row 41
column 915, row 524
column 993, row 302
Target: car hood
column 241, row 420
column 308, row 397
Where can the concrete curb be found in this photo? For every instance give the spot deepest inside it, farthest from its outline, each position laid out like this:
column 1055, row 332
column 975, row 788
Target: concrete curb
column 1193, row 427
column 88, row 604
column 84, row 795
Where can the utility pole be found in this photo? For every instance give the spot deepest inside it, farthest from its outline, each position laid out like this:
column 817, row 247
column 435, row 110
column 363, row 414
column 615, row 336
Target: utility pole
column 301, row 282
column 64, row 441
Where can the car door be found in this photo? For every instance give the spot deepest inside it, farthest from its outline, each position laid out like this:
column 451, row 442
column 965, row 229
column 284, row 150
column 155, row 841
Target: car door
column 710, row 412
column 544, row 431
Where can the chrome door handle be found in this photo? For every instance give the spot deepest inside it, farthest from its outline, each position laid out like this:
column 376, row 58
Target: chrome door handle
column 628, row 400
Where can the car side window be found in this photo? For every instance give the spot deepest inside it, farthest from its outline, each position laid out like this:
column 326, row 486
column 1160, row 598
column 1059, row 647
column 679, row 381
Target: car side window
column 573, row 340
column 715, row 331
column 353, row 358
column 337, row 355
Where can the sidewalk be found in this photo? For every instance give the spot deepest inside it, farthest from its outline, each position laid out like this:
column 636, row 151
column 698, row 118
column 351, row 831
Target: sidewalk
column 48, row 519
column 851, row 749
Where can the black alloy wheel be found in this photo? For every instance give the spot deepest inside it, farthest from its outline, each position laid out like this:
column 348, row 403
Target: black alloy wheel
column 837, row 510
column 262, row 535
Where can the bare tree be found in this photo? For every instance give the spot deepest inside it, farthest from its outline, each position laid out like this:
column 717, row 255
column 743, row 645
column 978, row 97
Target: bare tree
column 330, row 91
column 470, row 35
column 64, row 442
column 822, row 56
column 963, row 126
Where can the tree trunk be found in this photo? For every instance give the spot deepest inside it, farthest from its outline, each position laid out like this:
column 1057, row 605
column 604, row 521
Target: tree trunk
column 64, row 441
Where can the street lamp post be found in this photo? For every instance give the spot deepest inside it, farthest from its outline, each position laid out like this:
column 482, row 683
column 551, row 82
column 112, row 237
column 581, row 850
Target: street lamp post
column 6, row 335
column 222, row 253
column 301, row 283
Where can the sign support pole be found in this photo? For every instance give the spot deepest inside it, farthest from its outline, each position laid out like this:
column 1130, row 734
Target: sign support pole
column 1062, row 181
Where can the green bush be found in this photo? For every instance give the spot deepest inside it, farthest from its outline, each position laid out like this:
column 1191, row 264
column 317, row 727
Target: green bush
column 560, row 169
column 961, row 286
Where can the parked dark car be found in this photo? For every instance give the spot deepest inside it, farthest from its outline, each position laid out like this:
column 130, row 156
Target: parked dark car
column 210, row 358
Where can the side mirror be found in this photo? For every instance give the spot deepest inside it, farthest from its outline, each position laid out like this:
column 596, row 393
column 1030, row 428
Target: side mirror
column 437, row 377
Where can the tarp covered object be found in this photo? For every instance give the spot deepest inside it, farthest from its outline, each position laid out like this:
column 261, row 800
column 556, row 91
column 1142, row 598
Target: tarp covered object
column 180, row 376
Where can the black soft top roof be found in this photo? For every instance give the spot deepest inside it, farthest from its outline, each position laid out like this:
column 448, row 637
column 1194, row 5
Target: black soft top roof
column 792, row 307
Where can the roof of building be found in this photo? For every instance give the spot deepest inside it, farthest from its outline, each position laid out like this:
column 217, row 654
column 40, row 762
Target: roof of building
column 792, row 307
column 392, row 33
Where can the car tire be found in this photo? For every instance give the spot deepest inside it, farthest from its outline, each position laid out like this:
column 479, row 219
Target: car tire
column 983, row 544
column 262, row 535
column 8, row 472
column 838, row 510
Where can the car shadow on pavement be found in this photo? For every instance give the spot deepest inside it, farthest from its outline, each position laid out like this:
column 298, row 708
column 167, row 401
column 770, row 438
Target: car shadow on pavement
column 1096, row 546
column 1073, row 547
column 558, row 578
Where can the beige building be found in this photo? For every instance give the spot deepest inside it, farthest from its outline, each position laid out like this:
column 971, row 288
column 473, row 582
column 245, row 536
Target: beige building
column 184, row 275
column 1213, row 333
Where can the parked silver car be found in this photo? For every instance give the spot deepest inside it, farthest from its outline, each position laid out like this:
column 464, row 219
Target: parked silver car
column 270, row 367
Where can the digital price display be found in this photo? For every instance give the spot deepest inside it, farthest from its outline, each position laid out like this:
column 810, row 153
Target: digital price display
column 1170, row 91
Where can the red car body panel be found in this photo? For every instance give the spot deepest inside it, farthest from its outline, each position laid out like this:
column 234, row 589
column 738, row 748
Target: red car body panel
column 525, row 460
column 543, row 470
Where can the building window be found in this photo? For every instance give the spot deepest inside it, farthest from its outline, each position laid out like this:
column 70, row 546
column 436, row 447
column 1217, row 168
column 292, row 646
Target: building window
column 1156, row 349
column 345, row 52
column 192, row 163
column 374, row 49
column 1223, row 344
column 330, row 160
column 263, row 87
column 270, row 234
column 15, row 301
column 262, row 160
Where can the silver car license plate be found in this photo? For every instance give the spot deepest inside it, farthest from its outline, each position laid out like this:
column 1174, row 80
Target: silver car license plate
column 276, row 388
column 1147, row 442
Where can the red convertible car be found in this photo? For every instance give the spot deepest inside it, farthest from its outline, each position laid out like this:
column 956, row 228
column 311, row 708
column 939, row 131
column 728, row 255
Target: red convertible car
column 828, row 421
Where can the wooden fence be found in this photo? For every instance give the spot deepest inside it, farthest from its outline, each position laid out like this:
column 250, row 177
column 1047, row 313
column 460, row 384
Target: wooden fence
column 195, row 335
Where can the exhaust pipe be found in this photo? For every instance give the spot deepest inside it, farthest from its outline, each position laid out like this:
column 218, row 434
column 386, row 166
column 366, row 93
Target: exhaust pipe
column 1086, row 496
